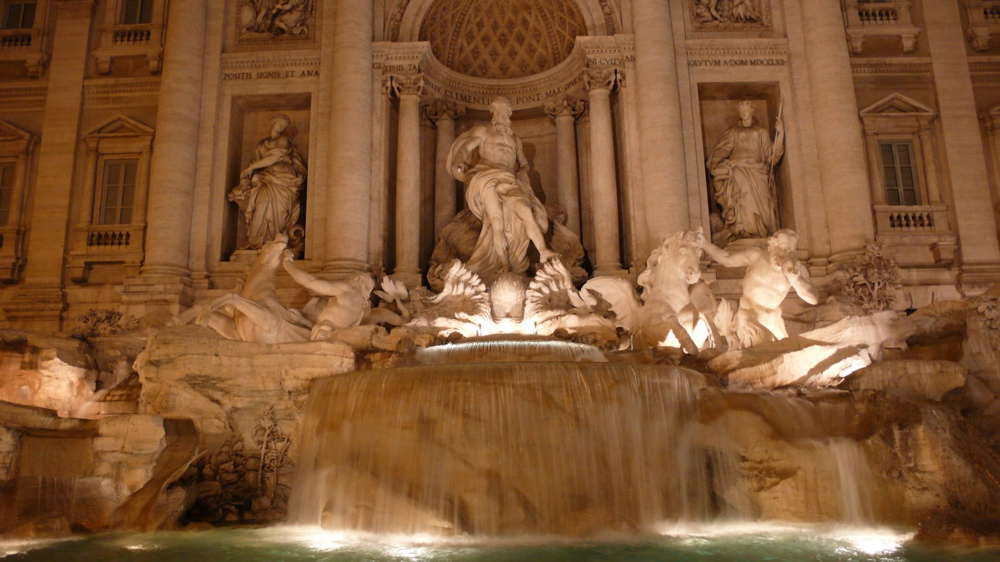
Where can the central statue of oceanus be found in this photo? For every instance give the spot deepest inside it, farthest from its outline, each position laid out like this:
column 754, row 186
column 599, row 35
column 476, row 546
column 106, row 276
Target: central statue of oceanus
column 491, row 162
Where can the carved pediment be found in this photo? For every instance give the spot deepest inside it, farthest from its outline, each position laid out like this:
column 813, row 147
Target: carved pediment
column 896, row 104
column 897, row 114
column 119, row 127
column 15, row 141
column 9, row 132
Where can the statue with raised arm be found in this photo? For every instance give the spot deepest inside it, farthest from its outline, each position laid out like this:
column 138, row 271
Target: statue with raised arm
column 337, row 304
column 491, row 162
column 770, row 274
column 741, row 165
column 269, row 193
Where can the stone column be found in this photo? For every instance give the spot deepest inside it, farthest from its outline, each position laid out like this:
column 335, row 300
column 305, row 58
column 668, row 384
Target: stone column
column 444, row 113
column 565, row 112
column 661, row 155
column 348, row 207
column 39, row 301
column 408, row 88
column 843, row 172
column 963, row 145
column 164, row 282
column 603, row 181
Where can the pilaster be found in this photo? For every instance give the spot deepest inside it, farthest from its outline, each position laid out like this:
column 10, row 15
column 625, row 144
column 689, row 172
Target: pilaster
column 164, row 285
column 963, row 147
column 39, row 302
column 841, row 150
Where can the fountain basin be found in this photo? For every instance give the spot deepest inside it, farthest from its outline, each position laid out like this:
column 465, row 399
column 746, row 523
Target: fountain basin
column 509, row 348
column 495, row 449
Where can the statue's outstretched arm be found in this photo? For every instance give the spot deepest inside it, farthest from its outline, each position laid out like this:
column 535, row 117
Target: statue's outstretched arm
column 804, row 287
column 314, row 284
column 735, row 259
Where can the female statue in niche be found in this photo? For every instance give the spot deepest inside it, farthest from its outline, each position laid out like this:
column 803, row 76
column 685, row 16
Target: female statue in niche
column 741, row 165
column 270, row 187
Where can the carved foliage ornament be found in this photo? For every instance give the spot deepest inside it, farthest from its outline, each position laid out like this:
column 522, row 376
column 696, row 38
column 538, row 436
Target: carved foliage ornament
column 602, row 77
column 443, row 109
column 565, row 106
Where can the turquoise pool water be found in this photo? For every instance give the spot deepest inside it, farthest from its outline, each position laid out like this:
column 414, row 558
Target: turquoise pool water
column 709, row 543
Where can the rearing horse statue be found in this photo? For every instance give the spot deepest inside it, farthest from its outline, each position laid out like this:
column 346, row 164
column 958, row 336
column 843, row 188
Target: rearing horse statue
column 674, row 299
column 254, row 313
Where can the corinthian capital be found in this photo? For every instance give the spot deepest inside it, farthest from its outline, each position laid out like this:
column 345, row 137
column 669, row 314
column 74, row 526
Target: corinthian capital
column 601, row 78
column 443, row 109
column 407, row 84
column 565, row 106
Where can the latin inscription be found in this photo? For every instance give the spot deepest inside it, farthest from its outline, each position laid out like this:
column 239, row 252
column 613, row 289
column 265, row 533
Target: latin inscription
column 737, row 62
column 485, row 99
column 270, row 74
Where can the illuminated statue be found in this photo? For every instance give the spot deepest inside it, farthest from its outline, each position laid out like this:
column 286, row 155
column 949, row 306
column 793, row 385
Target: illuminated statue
column 491, row 162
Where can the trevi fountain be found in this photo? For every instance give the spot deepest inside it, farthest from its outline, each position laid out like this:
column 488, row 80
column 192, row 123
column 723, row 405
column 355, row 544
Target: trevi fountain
column 550, row 377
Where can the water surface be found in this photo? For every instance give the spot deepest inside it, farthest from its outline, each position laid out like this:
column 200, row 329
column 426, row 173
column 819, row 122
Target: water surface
column 673, row 542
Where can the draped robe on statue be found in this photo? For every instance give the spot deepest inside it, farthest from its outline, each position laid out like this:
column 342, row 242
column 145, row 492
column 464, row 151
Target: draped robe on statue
column 749, row 206
column 503, row 241
column 272, row 203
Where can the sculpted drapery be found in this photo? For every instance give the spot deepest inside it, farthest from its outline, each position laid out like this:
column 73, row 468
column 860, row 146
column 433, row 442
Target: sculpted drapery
column 269, row 190
column 491, row 162
column 742, row 177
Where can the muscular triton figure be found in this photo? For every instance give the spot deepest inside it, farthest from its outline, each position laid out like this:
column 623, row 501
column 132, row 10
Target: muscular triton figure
column 770, row 274
column 491, row 162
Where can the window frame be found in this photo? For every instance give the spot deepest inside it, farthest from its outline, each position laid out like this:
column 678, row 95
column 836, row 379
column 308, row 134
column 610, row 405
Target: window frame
column 94, row 241
column 7, row 164
column 8, row 4
column 102, row 191
column 915, row 171
column 123, row 10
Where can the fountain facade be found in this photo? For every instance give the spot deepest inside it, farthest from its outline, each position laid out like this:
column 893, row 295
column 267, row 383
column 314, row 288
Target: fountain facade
column 678, row 282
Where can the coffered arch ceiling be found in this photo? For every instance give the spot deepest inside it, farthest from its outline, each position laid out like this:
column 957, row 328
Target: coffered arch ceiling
column 509, row 39
column 500, row 39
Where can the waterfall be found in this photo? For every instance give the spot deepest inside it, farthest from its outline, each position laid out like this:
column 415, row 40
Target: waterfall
column 455, row 446
column 497, row 448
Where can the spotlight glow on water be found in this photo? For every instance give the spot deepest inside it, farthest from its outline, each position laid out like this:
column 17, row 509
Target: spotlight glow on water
column 707, row 542
column 852, row 540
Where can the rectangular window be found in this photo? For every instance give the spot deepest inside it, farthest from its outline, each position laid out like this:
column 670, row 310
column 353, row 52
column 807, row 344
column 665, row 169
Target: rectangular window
column 899, row 173
column 136, row 11
column 19, row 14
column 6, row 191
column 118, row 195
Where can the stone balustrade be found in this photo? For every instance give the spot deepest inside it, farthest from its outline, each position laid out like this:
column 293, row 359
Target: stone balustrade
column 139, row 34
column 984, row 20
column 105, row 243
column 867, row 19
column 15, row 39
column 135, row 39
column 24, row 45
column 911, row 219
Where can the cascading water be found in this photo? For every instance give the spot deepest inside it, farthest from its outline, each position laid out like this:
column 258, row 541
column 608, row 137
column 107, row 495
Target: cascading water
column 568, row 448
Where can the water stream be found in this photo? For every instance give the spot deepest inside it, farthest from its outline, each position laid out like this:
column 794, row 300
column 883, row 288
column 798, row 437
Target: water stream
column 565, row 448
